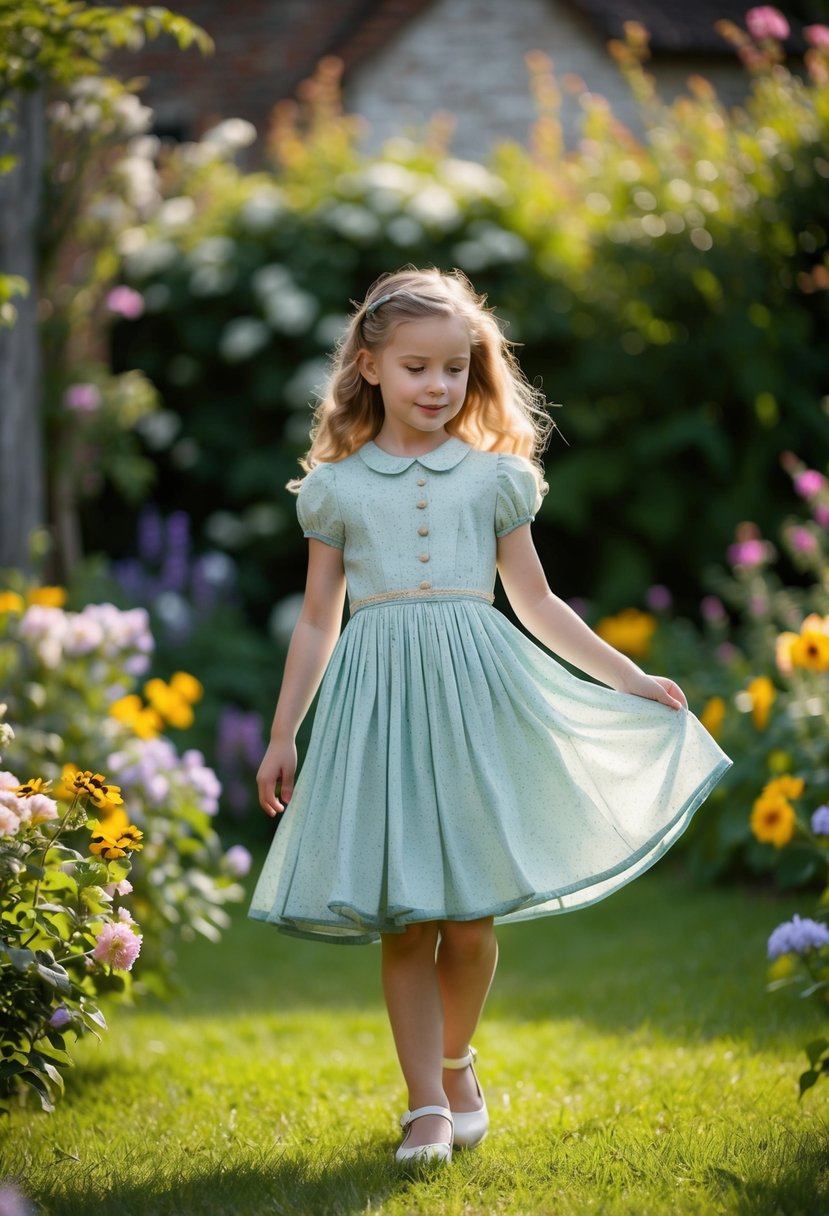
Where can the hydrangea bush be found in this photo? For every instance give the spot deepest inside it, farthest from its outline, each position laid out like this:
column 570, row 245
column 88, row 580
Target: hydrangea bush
column 244, row 280
column 72, row 681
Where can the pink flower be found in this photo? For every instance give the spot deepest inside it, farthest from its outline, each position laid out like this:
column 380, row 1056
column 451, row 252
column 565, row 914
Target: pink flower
column 41, row 808
column 818, row 35
column 809, row 482
column 8, row 781
column 237, row 861
column 124, row 887
column 748, row 553
column 9, row 822
column 117, row 946
column 83, row 398
column 125, row 302
column 765, row 21
column 821, row 514
column 802, row 541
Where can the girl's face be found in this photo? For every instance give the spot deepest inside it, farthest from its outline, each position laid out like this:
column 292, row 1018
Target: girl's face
column 422, row 373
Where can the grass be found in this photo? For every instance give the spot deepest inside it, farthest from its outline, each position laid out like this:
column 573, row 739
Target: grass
column 633, row 1062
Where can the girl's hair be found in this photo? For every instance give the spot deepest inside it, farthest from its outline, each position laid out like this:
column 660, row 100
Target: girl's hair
column 501, row 412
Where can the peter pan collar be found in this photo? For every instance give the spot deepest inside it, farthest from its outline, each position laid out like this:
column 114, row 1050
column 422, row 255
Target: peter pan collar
column 450, row 453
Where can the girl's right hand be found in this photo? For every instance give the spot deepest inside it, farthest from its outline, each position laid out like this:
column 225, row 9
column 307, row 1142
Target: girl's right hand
column 277, row 768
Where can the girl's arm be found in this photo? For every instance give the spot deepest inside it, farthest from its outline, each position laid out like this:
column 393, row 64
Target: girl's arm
column 312, row 642
column 560, row 629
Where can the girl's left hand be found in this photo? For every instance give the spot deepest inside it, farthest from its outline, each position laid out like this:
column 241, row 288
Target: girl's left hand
column 656, row 688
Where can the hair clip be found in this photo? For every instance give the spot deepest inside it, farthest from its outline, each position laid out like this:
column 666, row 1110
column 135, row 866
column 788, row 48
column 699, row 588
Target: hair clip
column 375, row 304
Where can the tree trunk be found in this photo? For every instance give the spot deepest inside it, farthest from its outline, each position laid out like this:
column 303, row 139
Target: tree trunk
column 21, row 444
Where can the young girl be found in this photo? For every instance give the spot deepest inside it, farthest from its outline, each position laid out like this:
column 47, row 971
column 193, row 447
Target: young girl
column 457, row 775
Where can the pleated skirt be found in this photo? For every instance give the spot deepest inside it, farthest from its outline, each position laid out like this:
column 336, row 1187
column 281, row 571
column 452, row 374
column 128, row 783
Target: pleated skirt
column 455, row 770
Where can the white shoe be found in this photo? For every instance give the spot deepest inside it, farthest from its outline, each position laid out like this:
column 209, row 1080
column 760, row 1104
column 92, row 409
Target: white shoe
column 437, row 1153
column 470, row 1125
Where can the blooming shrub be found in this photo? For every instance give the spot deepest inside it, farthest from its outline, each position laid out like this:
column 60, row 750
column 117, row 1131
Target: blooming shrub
column 245, row 278
column 71, row 680
column 63, row 942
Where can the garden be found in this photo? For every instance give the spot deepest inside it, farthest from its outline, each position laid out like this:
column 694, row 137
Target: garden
column 663, row 1051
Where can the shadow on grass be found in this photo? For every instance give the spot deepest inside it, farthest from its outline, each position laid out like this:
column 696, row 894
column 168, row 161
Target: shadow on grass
column 349, row 1181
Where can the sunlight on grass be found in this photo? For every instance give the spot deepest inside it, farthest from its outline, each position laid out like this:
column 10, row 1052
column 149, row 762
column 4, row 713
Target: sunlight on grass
column 632, row 1059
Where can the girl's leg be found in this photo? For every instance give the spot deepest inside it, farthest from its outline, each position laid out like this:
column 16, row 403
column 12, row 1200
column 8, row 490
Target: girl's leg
column 413, row 999
column 466, row 960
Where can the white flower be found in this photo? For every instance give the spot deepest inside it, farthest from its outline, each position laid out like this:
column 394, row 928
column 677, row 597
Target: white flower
column 403, row 230
column 133, row 118
column 176, row 212
column 41, row 808
column 305, row 382
column 290, row 311
column 330, row 329
column 386, row 175
column 230, row 135
column 9, row 821
column 212, row 280
column 243, row 337
column 354, row 222
column 435, row 207
column 140, row 180
column 8, row 781
column 471, row 180
column 270, row 279
column 260, row 212
column 83, row 635
column 149, row 258
column 283, row 618
column 212, row 251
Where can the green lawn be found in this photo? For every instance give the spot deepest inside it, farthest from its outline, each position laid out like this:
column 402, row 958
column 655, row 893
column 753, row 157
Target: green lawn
column 632, row 1059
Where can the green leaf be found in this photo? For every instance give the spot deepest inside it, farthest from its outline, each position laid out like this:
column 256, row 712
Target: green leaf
column 20, row 958
column 55, row 975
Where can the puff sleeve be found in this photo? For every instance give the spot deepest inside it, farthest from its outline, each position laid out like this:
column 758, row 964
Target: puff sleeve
column 318, row 508
column 518, row 494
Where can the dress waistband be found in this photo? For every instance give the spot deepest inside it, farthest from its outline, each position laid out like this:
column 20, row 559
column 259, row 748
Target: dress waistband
column 417, row 593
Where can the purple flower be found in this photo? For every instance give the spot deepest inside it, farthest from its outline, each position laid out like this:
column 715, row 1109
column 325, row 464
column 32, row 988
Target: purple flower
column 125, row 302
column 765, row 21
column 809, row 483
column 796, row 936
column 83, row 398
column 820, row 821
column 821, row 514
column 60, row 1018
column 712, row 609
column 12, row 1201
column 658, row 598
column 237, row 861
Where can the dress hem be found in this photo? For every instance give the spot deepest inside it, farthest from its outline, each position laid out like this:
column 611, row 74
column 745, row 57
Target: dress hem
column 522, row 908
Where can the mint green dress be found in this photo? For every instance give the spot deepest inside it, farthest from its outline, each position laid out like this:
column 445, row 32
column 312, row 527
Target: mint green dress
column 455, row 770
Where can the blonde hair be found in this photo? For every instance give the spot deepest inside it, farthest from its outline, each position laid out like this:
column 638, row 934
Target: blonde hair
column 501, row 412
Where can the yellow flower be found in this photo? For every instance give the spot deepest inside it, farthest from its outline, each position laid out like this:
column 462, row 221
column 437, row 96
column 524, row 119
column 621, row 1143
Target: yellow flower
column 144, row 720
column 773, row 820
column 93, row 786
column 811, row 650
column 762, row 693
column 786, row 786
column 187, row 686
column 49, row 597
column 713, row 715
column 10, row 601
column 115, row 838
column 35, row 785
column 169, row 703
column 778, row 760
column 782, row 967
column 629, row 631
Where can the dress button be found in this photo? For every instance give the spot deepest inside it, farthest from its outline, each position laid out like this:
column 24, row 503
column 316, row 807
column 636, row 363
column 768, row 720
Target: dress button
column 421, row 504
column 425, row 586
column 423, row 531
column 424, row 557
column 421, row 481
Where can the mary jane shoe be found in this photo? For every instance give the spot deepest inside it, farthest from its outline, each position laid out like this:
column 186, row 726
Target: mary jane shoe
column 437, row 1154
column 470, row 1125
